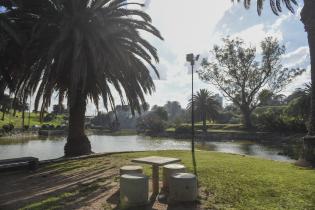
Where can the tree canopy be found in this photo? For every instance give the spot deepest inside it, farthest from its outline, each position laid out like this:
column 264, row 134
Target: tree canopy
column 235, row 71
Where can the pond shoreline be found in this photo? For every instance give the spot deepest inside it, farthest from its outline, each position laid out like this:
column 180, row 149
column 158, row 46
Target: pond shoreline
column 19, row 133
column 259, row 137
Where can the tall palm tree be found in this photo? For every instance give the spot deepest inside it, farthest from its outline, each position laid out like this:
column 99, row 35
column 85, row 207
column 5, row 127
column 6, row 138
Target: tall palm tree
column 206, row 107
column 85, row 50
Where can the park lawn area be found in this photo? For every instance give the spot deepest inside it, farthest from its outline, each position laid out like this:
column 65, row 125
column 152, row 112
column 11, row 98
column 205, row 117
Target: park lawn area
column 226, row 182
column 34, row 120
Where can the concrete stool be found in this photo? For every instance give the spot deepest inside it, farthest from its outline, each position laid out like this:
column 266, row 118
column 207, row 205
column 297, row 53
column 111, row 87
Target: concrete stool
column 133, row 190
column 183, row 187
column 168, row 171
column 131, row 169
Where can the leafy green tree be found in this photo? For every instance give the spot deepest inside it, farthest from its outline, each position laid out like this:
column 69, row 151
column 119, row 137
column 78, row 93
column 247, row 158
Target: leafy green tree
column 206, row 107
column 269, row 98
column 235, row 71
column 160, row 112
column 173, row 109
column 151, row 124
column 86, row 49
column 308, row 19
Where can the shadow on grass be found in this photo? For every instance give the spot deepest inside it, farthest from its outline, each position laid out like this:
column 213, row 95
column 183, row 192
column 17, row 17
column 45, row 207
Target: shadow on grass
column 64, row 186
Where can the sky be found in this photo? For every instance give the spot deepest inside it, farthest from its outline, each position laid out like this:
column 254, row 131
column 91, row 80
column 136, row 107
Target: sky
column 194, row 26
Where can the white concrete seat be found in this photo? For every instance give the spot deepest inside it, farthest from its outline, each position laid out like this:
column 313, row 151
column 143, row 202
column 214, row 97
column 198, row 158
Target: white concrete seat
column 168, row 171
column 131, row 169
column 183, row 188
column 133, row 190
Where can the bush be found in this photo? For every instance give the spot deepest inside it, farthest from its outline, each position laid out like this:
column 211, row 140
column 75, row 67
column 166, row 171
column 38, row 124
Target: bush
column 49, row 117
column 151, row 124
column 224, row 117
column 44, row 126
column 276, row 119
column 8, row 127
column 183, row 129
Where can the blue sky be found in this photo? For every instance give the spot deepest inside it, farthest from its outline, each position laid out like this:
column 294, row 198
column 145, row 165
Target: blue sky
column 195, row 26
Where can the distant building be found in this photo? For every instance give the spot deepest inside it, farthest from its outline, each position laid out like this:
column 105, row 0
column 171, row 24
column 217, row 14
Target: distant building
column 219, row 99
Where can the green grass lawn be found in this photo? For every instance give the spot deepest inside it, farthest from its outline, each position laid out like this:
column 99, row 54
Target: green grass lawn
column 34, row 120
column 226, row 181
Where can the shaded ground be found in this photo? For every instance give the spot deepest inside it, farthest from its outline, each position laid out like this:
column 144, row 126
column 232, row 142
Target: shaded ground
column 226, row 182
column 84, row 184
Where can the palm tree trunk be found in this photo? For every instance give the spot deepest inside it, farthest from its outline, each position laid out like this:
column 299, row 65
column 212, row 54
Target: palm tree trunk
column 204, row 124
column 77, row 142
column 308, row 19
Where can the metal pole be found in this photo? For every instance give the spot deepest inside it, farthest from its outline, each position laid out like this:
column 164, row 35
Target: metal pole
column 193, row 118
column 29, row 112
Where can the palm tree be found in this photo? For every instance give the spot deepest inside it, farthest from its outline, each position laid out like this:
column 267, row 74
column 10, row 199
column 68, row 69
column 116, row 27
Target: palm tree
column 86, row 50
column 308, row 19
column 206, row 107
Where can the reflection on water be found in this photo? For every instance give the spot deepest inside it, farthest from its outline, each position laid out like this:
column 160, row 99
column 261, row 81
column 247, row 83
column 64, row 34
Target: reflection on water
column 52, row 147
column 48, row 148
column 246, row 148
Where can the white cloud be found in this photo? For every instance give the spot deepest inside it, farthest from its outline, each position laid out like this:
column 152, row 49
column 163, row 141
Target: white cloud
column 195, row 26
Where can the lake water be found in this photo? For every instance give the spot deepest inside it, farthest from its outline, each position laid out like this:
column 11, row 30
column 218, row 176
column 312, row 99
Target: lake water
column 52, row 147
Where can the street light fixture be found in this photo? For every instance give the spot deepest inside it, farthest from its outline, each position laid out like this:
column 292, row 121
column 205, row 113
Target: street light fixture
column 192, row 59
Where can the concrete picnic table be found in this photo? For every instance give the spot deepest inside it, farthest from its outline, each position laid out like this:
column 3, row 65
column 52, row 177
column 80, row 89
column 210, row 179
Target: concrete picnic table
column 155, row 161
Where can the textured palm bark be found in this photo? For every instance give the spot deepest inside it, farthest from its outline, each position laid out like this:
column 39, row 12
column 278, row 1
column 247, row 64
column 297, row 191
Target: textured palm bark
column 308, row 19
column 77, row 142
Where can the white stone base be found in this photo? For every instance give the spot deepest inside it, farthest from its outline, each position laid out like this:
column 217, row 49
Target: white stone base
column 131, row 169
column 183, row 188
column 168, row 171
column 133, row 190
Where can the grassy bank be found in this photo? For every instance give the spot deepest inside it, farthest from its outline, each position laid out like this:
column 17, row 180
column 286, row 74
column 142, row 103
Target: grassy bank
column 226, row 182
column 34, row 120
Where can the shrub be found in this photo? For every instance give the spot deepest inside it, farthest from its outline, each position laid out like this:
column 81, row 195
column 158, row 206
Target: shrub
column 44, row 126
column 8, row 127
column 150, row 124
column 276, row 119
column 183, row 129
column 49, row 117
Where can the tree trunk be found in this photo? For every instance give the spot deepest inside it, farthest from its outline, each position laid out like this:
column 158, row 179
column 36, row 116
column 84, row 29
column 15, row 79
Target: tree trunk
column 246, row 117
column 77, row 142
column 204, row 124
column 3, row 113
column 23, row 118
column 311, row 40
column 308, row 19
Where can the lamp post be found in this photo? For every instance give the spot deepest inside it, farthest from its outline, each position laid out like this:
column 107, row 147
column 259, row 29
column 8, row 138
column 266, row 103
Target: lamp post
column 191, row 59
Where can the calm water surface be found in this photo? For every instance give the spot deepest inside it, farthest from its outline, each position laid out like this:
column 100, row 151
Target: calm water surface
column 52, row 147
